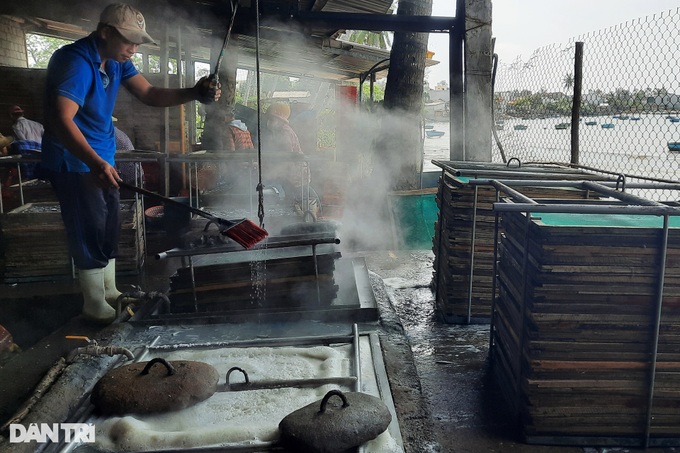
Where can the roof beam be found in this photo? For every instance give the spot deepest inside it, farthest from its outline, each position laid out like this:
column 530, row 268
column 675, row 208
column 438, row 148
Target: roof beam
column 374, row 22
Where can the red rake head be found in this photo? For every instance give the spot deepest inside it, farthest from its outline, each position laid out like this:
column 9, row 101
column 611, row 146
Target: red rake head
column 246, row 233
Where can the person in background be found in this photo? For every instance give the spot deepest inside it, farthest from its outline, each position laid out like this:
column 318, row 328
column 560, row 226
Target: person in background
column 25, row 129
column 28, row 139
column 279, row 136
column 227, row 135
column 126, row 170
column 237, row 137
column 280, row 140
column 79, row 143
column 123, row 142
column 305, row 126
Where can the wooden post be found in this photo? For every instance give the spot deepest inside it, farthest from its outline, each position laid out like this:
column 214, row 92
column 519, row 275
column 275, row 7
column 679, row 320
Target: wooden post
column 165, row 133
column 576, row 104
column 456, row 91
column 478, row 68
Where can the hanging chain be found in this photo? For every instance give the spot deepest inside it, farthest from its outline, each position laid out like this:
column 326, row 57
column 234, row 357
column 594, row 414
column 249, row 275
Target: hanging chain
column 260, row 187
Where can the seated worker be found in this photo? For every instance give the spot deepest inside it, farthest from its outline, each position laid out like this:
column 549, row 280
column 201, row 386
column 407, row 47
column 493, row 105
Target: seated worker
column 227, row 135
column 25, row 129
column 126, row 170
column 28, row 140
column 27, row 148
column 278, row 138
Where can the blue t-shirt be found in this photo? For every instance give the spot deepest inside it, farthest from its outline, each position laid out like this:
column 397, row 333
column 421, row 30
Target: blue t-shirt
column 74, row 72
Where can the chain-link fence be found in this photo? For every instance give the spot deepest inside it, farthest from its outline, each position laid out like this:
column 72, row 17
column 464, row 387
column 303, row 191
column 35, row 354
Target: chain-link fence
column 630, row 103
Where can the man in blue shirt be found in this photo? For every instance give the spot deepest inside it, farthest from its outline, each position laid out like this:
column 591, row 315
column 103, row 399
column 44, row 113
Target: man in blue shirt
column 79, row 144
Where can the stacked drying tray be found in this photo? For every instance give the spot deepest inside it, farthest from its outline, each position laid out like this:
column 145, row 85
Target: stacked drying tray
column 574, row 343
column 34, row 242
column 463, row 275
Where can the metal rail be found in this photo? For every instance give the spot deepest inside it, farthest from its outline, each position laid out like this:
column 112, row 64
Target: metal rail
column 136, row 157
column 271, row 243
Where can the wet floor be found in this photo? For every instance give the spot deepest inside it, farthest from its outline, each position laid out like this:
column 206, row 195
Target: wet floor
column 442, row 387
column 467, row 412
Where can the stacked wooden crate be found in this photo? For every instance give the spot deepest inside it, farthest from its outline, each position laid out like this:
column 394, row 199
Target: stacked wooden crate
column 574, row 328
column 458, row 301
column 35, row 246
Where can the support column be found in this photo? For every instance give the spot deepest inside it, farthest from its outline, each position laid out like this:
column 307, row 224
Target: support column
column 478, row 68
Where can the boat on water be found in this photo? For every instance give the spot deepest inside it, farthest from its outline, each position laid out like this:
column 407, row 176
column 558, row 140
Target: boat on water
column 429, row 126
column 674, row 147
column 520, row 127
column 635, row 118
column 608, row 126
column 591, row 123
column 562, row 126
column 624, row 117
column 433, row 133
column 675, row 119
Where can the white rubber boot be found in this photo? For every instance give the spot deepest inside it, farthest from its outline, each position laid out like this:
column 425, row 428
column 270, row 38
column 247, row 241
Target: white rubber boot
column 112, row 293
column 95, row 306
column 110, row 289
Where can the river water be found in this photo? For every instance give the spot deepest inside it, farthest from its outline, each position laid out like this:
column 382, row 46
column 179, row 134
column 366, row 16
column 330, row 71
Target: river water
column 436, row 148
column 635, row 147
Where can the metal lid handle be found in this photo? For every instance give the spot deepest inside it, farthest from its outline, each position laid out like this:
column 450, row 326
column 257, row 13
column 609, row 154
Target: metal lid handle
column 328, row 396
column 152, row 362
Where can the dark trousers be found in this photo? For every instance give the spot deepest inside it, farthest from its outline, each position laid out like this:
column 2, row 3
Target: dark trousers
column 91, row 216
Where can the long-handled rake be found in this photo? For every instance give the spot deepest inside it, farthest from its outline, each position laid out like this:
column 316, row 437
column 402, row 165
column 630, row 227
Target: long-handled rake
column 242, row 231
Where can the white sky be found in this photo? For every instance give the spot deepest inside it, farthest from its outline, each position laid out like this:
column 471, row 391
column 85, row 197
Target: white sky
column 521, row 26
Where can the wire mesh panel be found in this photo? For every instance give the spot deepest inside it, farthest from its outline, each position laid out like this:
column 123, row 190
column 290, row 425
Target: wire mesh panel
column 630, row 103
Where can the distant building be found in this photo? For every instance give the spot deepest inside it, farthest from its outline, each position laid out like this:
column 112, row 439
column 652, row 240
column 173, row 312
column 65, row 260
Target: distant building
column 438, row 106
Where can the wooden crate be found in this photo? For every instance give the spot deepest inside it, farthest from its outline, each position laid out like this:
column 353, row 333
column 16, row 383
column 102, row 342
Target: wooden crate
column 574, row 332
column 458, row 301
column 35, row 247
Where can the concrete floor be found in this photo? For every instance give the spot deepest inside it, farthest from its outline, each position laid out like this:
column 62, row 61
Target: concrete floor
column 465, row 409
column 445, row 399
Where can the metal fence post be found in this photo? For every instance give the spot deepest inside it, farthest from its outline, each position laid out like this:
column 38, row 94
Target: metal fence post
column 576, row 105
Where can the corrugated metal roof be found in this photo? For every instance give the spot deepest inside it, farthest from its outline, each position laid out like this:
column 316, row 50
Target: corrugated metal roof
column 309, row 51
column 357, row 6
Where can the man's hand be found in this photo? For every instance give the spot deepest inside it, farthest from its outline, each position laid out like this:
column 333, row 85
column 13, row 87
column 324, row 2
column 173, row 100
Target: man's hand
column 208, row 90
column 105, row 174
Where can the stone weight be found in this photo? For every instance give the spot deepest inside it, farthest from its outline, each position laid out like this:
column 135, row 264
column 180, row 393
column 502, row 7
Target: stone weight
column 331, row 427
column 142, row 388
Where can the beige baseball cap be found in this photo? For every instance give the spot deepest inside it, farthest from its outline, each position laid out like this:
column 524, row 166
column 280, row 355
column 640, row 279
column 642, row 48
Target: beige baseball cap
column 128, row 21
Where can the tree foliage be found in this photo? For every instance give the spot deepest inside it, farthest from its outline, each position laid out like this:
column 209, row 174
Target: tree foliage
column 524, row 103
column 379, row 40
column 40, row 49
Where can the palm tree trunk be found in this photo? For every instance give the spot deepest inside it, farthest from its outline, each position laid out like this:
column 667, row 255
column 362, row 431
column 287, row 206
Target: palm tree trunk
column 401, row 147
